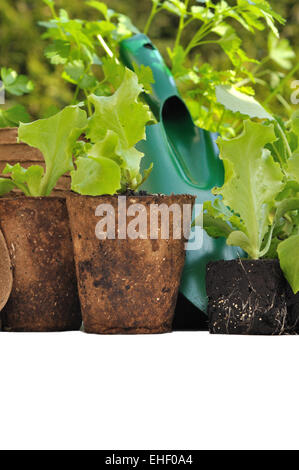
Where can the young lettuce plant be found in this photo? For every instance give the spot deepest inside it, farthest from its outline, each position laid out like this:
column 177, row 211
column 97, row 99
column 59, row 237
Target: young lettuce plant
column 259, row 206
column 55, row 138
column 109, row 162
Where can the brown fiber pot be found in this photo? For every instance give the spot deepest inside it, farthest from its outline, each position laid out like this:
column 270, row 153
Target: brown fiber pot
column 125, row 285
column 44, row 294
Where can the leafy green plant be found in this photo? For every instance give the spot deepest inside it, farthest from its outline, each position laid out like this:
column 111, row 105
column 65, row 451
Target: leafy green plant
column 55, row 138
column 109, row 162
column 215, row 24
column 16, row 85
column 87, row 51
column 106, row 161
column 259, row 205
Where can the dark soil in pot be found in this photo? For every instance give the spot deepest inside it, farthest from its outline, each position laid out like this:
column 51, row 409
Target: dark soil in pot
column 247, row 297
column 125, row 285
column 44, row 294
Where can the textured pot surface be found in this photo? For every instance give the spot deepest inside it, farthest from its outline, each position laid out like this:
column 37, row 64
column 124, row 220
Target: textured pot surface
column 5, row 273
column 44, row 294
column 247, row 297
column 125, row 285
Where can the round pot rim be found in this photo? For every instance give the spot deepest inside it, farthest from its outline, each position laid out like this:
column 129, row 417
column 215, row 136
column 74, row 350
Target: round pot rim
column 31, row 198
column 73, row 195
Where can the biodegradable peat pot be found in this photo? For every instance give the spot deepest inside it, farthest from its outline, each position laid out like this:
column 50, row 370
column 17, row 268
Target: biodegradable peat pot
column 44, row 294
column 126, row 285
column 247, row 297
column 5, row 273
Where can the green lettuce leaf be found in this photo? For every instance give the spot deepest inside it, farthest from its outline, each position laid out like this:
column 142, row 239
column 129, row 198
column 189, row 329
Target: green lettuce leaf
column 6, row 185
column 280, row 51
column 15, row 84
column 288, row 253
column 218, row 220
column 55, row 138
column 252, row 181
column 95, row 176
column 121, row 119
column 236, row 101
column 28, row 180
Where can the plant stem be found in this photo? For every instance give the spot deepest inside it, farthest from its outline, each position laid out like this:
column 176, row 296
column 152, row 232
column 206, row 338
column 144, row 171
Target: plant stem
column 153, row 13
column 181, row 27
column 284, row 138
column 76, row 94
column 89, row 110
column 106, row 47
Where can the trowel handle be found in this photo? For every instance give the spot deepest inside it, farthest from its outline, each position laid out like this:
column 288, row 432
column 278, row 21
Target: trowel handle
column 140, row 50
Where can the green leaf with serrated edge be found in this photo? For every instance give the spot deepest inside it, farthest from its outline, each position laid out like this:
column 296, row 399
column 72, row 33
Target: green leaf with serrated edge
column 216, row 227
column 6, row 185
column 293, row 168
column 145, row 76
column 55, row 137
column 178, row 58
column 96, row 176
column 13, row 116
column 175, row 6
column 293, row 162
column 280, row 51
column 113, row 71
column 123, row 115
column 218, row 220
column 100, row 6
column 288, row 254
column 236, row 101
column 145, row 176
column 27, row 180
column 58, row 52
column 287, row 205
column 252, row 181
column 15, row 84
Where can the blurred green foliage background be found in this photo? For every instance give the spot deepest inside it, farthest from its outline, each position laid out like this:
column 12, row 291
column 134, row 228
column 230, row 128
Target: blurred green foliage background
column 21, row 46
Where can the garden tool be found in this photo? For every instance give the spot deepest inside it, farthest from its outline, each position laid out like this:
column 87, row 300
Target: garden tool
column 185, row 159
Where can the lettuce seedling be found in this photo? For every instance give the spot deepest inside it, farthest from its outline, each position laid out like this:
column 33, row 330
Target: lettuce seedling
column 55, row 138
column 259, row 206
column 110, row 163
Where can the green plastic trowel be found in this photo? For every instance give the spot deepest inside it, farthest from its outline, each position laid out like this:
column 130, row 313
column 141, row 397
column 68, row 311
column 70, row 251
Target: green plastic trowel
column 185, row 159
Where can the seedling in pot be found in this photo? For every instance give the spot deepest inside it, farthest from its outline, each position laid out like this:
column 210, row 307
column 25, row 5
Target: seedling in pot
column 258, row 211
column 44, row 295
column 127, row 285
